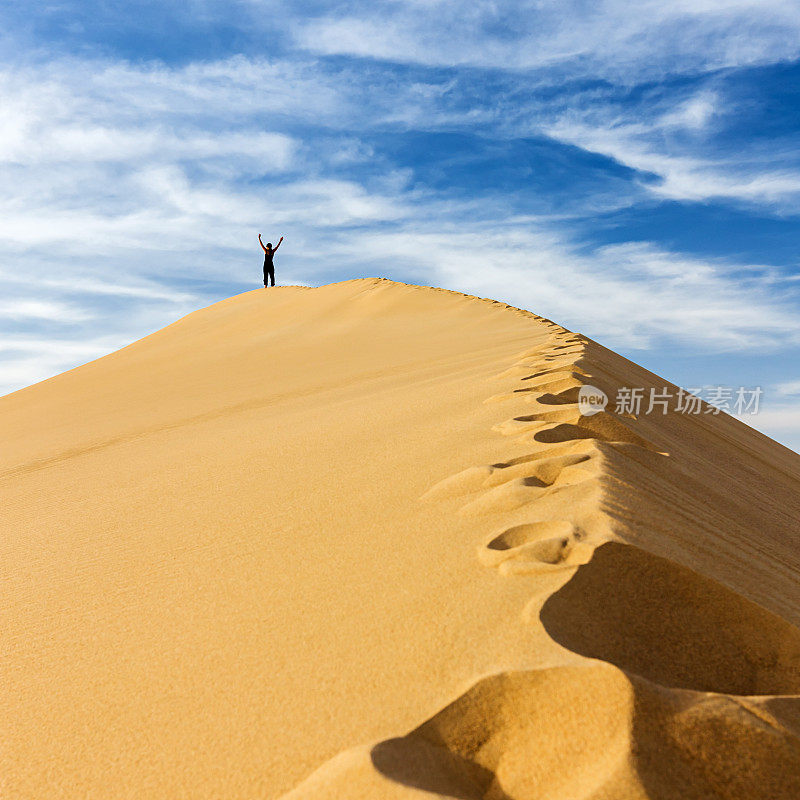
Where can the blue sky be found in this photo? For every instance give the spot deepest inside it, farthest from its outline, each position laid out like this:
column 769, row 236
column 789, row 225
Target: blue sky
column 630, row 170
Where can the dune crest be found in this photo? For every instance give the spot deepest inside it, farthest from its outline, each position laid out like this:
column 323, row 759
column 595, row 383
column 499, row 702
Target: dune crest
column 359, row 541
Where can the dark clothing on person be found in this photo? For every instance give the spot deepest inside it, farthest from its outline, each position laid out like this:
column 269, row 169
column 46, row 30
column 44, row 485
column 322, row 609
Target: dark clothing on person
column 269, row 268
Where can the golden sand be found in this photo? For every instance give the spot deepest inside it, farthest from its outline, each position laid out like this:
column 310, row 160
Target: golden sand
column 359, row 542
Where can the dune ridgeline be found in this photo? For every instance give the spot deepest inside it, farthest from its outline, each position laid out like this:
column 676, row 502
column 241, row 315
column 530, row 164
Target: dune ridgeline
column 358, row 541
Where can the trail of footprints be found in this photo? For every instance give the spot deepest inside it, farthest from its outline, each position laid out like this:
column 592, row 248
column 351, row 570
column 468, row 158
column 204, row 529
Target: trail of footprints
column 548, row 497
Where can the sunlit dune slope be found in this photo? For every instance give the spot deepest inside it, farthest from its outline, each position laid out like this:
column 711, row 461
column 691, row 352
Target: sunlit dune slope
column 358, row 541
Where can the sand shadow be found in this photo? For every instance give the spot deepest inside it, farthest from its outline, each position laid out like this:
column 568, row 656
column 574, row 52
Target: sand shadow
column 567, row 397
column 415, row 762
column 666, row 623
column 602, row 426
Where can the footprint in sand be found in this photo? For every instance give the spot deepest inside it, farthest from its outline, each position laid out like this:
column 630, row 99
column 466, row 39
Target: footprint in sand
column 536, row 547
column 524, row 482
column 567, row 366
column 568, row 396
column 544, row 472
column 536, row 469
column 549, row 349
column 551, row 412
column 603, row 427
column 555, row 383
column 542, row 365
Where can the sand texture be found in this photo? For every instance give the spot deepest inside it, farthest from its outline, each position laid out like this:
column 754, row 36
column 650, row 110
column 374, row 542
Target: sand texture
column 357, row 541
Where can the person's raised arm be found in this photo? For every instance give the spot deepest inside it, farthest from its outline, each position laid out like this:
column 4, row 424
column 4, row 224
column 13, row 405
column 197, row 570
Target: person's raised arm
column 261, row 243
column 279, row 243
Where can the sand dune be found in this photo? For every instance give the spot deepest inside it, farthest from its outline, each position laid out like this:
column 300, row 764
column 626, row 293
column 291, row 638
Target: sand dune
column 359, row 542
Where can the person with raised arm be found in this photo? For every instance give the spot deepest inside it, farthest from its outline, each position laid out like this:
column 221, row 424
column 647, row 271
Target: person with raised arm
column 269, row 252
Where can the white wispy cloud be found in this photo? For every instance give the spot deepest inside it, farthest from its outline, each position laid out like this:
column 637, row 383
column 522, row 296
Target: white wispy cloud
column 28, row 308
column 788, row 388
column 609, row 38
column 673, row 171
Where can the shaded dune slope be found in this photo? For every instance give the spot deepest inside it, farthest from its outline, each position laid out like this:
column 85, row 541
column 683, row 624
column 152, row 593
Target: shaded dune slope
column 708, row 637
column 627, row 584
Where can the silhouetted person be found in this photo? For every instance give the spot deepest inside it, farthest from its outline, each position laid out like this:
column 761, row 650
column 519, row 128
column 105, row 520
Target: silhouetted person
column 269, row 267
